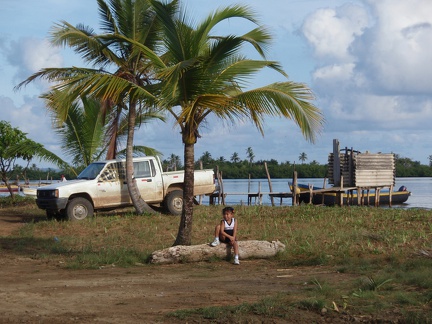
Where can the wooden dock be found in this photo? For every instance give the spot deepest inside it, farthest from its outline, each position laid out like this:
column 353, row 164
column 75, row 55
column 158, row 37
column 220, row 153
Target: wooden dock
column 253, row 197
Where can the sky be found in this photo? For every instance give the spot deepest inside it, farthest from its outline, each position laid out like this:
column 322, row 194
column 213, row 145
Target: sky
column 368, row 63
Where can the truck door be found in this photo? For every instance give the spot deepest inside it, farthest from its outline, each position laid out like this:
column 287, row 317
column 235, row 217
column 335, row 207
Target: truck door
column 111, row 187
column 149, row 181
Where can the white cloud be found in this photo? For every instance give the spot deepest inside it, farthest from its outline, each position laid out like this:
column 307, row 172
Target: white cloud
column 396, row 50
column 332, row 31
column 29, row 55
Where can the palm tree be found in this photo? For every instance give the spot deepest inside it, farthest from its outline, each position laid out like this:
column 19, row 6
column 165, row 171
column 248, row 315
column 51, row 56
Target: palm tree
column 235, row 157
column 174, row 162
column 250, row 154
column 206, row 74
column 303, row 157
column 206, row 158
column 122, row 73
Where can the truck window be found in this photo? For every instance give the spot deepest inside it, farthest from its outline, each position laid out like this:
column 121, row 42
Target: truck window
column 110, row 173
column 153, row 169
column 142, row 169
column 91, row 171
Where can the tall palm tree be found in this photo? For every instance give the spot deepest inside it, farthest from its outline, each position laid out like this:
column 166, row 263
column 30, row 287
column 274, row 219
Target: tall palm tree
column 122, row 73
column 206, row 74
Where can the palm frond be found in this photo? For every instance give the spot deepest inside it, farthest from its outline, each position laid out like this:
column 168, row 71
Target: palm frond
column 31, row 149
column 142, row 151
column 284, row 99
column 108, row 23
column 235, row 11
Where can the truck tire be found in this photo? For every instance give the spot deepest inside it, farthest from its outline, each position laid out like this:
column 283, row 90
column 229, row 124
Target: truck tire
column 174, row 202
column 78, row 209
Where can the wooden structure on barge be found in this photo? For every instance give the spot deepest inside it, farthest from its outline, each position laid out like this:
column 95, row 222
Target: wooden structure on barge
column 350, row 170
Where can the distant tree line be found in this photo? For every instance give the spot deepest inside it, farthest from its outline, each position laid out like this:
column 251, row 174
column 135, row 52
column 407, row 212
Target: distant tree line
column 34, row 173
column 236, row 168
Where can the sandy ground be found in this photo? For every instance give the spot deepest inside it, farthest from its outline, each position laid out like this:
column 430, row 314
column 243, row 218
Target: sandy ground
column 40, row 291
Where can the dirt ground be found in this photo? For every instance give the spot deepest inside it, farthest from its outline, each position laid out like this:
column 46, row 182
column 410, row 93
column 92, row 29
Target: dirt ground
column 40, row 291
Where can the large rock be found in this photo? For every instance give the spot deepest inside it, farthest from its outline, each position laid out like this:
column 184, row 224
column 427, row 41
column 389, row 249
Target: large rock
column 193, row 253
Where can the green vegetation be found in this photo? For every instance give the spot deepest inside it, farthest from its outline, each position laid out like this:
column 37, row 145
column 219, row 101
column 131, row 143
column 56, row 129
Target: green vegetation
column 15, row 145
column 236, row 168
column 384, row 255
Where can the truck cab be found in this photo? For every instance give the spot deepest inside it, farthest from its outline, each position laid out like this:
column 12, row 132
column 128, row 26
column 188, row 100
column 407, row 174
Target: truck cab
column 102, row 186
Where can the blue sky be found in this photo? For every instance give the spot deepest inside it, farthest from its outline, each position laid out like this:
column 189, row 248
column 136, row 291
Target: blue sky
column 368, row 62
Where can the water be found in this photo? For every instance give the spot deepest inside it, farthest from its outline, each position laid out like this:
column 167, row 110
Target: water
column 421, row 190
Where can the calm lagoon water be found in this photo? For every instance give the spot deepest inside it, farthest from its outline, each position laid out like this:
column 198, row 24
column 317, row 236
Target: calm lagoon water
column 421, row 190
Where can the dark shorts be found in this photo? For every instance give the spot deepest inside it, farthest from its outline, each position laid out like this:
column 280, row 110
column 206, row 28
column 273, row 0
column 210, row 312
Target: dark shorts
column 226, row 240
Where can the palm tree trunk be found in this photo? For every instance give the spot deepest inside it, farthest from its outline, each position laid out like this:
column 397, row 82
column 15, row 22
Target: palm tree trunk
column 184, row 236
column 140, row 205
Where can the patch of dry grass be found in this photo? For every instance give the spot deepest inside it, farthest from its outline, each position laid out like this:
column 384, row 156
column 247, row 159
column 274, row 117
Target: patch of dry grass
column 388, row 250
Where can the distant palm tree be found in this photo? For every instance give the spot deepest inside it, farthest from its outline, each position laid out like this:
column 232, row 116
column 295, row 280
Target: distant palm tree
column 303, row 157
column 174, row 162
column 250, row 154
column 235, row 157
column 205, row 74
column 206, row 158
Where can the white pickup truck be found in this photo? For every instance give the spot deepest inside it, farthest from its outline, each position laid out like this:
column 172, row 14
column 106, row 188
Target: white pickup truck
column 102, row 186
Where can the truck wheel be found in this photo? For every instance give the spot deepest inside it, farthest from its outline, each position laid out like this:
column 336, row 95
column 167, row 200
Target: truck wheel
column 174, row 202
column 78, row 209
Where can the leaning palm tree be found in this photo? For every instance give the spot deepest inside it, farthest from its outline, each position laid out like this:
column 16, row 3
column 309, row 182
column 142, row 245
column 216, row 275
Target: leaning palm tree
column 206, row 74
column 122, row 67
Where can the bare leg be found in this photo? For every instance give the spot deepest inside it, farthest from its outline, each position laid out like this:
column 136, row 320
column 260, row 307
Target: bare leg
column 236, row 248
column 217, row 230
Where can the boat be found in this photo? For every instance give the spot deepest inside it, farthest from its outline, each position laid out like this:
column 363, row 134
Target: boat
column 321, row 196
column 5, row 189
column 29, row 191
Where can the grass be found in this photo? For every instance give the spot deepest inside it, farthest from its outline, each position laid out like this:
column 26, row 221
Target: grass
column 388, row 251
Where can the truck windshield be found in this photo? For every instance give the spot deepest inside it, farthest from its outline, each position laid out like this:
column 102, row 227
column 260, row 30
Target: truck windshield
column 92, row 171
